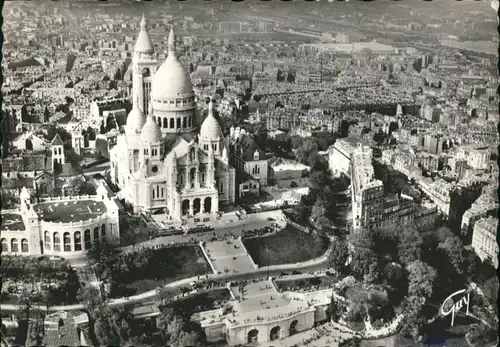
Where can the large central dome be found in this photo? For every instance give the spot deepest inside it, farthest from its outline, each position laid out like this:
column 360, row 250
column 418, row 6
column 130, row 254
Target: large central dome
column 171, row 80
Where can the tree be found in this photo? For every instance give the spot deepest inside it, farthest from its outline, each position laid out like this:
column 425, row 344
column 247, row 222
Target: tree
column 490, row 290
column 78, row 187
column 37, row 327
column 319, row 213
column 422, row 278
column 413, row 318
column 166, row 293
column 9, row 200
column 409, row 245
column 26, row 299
column 105, row 257
column 395, row 277
column 261, row 134
column 72, row 157
column 481, row 335
column 48, row 299
column 372, row 275
column 318, row 180
column 187, row 338
column 120, row 319
column 105, row 333
column 454, row 249
column 166, row 316
column 307, row 151
column 298, row 213
column 90, row 296
column 472, row 263
column 173, row 327
column 338, row 255
column 359, row 303
column 362, row 254
column 112, row 326
column 333, row 309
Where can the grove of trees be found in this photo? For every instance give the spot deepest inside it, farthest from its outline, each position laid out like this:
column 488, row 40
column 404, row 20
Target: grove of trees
column 79, row 187
column 418, row 267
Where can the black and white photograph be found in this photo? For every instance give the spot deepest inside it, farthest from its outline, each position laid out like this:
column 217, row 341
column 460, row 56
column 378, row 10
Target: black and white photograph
column 249, row 173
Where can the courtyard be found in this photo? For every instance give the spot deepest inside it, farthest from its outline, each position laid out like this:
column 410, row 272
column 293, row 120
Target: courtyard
column 138, row 272
column 287, row 247
column 229, row 256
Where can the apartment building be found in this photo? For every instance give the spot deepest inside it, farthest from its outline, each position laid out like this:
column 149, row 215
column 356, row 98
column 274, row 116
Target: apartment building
column 484, row 239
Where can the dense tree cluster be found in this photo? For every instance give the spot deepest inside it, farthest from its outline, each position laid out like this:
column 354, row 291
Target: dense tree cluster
column 178, row 330
column 324, row 189
column 407, row 262
column 59, row 281
column 394, row 181
column 79, row 187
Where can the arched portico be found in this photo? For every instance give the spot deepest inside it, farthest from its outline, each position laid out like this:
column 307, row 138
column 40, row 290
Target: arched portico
column 207, row 205
column 293, row 327
column 185, row 207
column 196, row 206
column 275, row 333
column 253, row 336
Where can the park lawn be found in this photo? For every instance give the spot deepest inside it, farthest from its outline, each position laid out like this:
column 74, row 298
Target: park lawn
column 287, row 247
column 164, row 265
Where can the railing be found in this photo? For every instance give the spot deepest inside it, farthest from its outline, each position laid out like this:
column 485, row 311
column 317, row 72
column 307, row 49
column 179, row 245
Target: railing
column 89, row 221
column 298, row 226
column 69, row 198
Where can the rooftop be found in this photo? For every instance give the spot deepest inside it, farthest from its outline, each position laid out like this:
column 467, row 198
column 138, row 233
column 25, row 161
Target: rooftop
column 263, row 302
column 490, row 224
column 70, row 211
column 59, row 334
column 12, row 221
column 146, row 310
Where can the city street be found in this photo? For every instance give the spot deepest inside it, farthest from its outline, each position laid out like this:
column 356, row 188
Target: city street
column 227, row 226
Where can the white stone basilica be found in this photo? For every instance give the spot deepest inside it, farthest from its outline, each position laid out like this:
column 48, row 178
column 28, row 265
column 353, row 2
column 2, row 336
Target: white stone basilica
column 160, row 163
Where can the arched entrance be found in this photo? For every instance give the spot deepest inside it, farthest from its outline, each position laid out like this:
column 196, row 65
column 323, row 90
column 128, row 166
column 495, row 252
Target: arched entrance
column 196, row 206
column 185, row 207
column 275, row 333
column 208, row 205
column 253, row 336
column 293, row 327
column 29, row 145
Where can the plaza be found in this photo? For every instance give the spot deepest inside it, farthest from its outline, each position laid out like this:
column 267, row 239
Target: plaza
column 229, row 255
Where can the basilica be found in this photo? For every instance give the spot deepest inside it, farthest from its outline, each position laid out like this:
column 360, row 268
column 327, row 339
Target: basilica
column 162, row 163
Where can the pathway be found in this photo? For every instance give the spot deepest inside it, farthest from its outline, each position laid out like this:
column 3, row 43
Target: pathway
column 273, row 270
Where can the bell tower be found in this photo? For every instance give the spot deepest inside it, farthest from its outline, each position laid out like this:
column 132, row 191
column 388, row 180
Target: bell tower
column 144, row 67
column 58, row 157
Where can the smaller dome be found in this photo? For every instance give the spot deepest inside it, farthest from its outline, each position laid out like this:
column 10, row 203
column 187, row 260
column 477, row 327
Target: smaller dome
column 143, row 43
column 135, row 121
column 211, row 129
column 151, row 132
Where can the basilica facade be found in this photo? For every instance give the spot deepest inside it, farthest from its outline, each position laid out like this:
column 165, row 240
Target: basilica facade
column 161, row 162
